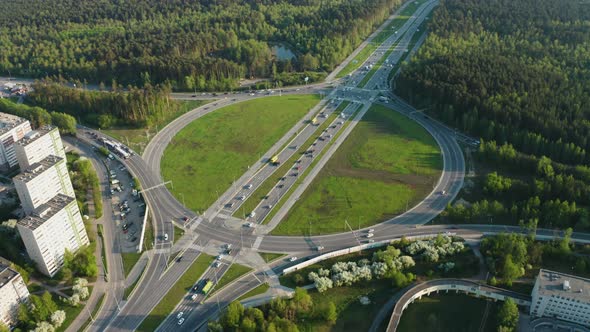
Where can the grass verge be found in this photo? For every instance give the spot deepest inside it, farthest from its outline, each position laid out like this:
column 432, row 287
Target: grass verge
column 386, row 165
column 261, row 289
column 448, row 312
column 234, row 272
column 175, row 294
column 100, row 233
column 130, row 289
column 71, row 312
column 94, row 312
column 138, row 138
column 148, row 235
column 205, row 157
column 270, row 256
column 178, row 233
column 129, row 261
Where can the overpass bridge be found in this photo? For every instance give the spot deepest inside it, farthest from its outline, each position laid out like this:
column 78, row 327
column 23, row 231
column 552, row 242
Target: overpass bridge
column 458, row 285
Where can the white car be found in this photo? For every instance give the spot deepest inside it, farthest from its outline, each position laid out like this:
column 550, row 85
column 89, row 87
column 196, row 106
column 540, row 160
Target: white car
column 165, row 236
column 228, row 246
column 194, row 297
column 220, row 257
column 217, row 264
column 179, row 315
column 252, row 214
column 320, row 248
column 292, row 259
column 180, row 321
column 370, row 235
column 371, row 230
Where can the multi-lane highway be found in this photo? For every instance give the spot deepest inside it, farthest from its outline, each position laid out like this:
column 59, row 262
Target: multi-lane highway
column 159, row 277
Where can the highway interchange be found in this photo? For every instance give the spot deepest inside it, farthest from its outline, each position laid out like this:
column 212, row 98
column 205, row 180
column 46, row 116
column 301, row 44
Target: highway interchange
column 209, row 228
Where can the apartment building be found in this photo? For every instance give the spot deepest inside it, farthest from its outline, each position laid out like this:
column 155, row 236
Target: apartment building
column 42, row 181
column 12, row 129
column 37, row 145
column 53, row 227
column 13, row 292
column 561, row 296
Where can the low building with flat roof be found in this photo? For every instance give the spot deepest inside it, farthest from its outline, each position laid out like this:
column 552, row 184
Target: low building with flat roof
column 13, row 292
column 561, row 296
column 51, row 229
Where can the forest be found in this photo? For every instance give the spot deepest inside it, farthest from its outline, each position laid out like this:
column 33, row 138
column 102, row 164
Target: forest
column 517, row 75
column 194, row 45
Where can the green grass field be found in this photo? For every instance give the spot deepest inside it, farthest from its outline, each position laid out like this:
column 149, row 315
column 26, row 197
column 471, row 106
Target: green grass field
column 269, row 256
column 138, row 138
column 129, row 261
column 261, row 289
column 206, row 157
column 386, row 165
column 175, row 294
column 234, row 272
column 448, row 312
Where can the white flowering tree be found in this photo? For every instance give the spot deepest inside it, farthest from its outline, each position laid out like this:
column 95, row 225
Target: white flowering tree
column 44, row 327
column 58, row 318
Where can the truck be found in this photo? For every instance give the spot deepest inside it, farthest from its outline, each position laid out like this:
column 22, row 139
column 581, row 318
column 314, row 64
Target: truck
column 207, row 288
column 275, row 160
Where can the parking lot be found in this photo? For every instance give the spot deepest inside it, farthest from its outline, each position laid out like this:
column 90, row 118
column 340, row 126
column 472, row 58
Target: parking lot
column 128, row 206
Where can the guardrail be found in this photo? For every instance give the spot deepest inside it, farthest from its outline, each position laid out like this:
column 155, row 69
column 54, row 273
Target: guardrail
column 350, row 250
column 145, row 217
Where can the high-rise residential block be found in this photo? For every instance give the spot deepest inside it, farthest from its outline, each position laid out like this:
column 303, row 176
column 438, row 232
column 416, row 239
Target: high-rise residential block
column 37, row 145
column 12, row 129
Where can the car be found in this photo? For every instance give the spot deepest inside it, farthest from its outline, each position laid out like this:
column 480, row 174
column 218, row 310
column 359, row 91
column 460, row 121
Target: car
column 292, row 259
column 217, row 264
column 180, row 321
column 371, row 230
column 122, row 214
column 369, row 235
column 280, row 186
column 249, row 224
column 241, row 198
column 269, row 206
column 193, row 96
column 194, row 297
column 229, row 251
column 228, row 246
column 320, row 248
column 133, row 239
column 371, row 241
column 165, row 236
column 112, row 192
column 443, row 192
column 252, row 214
column 179, row 259
column 220, row 257
column 283, row 178
column 185, row 218
column 230, row 205
column 248, row 186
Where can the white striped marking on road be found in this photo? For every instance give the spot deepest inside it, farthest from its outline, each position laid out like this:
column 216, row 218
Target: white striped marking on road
column 257, row 242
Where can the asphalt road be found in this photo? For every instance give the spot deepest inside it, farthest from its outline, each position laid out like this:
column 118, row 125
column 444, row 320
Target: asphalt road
column 165, row 208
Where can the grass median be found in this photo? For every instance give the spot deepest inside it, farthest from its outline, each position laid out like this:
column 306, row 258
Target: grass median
column 234, row 272
column 260, row 193
column 260, row 289
column 301, row 178
column 176, row 293
column 206, row 156
column 129, row 261
column 382, row 36
column 387, row 164
column 270, row 256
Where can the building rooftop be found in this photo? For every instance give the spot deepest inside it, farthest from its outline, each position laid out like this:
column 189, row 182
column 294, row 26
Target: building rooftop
column 563, row 285
column 6, row 273
column 37, row 168
column 32, row 136
column 9, row 121
column 46, row 211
